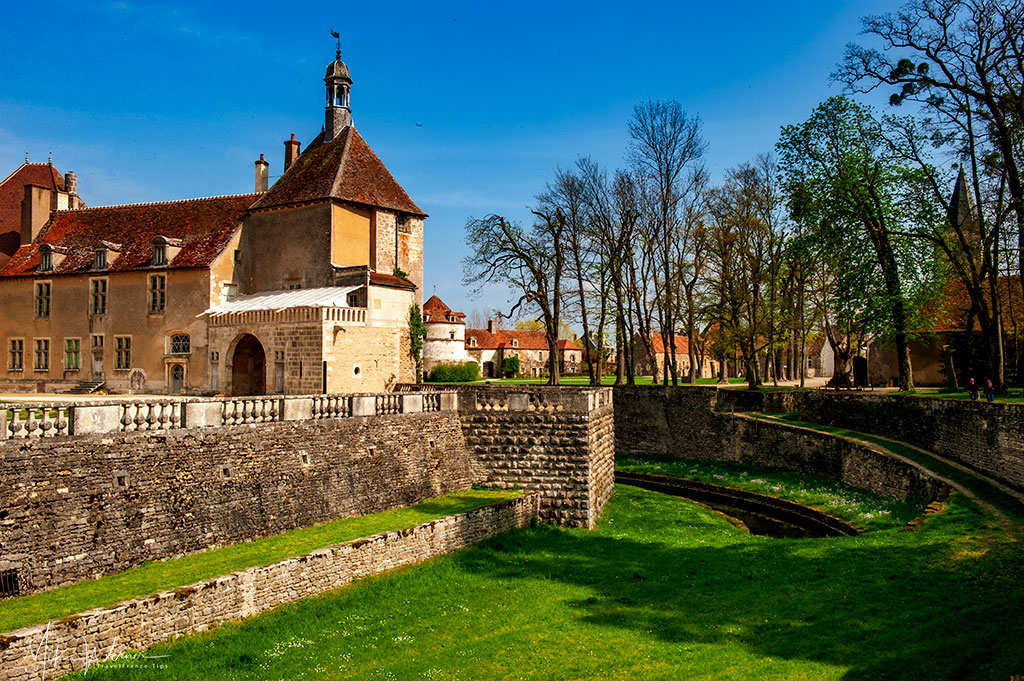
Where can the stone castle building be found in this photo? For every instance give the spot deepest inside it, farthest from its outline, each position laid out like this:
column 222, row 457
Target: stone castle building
column 301, row 287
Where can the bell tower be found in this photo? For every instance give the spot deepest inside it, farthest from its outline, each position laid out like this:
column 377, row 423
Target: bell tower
column 338, row 114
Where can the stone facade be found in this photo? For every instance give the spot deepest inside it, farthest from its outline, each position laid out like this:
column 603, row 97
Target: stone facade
column 75, row 642
column 683, row 422
column 557, row 442
column 85, row 506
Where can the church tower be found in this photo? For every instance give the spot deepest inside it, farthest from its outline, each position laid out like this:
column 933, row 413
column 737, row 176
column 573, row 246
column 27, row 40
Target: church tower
column 338, row 114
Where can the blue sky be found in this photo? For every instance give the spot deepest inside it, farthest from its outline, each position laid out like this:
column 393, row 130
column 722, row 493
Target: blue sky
column 471, row 105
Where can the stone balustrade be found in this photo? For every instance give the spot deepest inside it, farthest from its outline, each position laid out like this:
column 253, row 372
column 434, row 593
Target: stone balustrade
column 45, row 420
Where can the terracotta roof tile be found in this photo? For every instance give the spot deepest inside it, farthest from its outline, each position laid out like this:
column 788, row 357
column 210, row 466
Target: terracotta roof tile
column 12, row 191
column 345, row 169
column 391, row 280
column 437, row 311
column 501, row 338
column 205, row 226
column 682, row 344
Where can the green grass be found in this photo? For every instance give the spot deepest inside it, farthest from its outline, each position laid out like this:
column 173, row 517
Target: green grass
column 583, row 380
column 864, row 509
column 662, row 589
column 163, row 575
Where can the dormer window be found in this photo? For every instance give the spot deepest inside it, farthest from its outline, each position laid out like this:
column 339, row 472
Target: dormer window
column 50, row 257
column 99, row 260
column 515, row 342
column 472, row 341
column 165, row 249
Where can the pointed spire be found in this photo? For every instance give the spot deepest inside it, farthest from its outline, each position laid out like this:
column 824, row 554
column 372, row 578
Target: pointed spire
column 961, row 204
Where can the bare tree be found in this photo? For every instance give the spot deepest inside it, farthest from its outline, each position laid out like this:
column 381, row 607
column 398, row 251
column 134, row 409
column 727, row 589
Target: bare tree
column 530, row 262
column 665, row 143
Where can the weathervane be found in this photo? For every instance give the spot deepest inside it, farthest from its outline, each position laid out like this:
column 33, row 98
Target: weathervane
column 337, row 37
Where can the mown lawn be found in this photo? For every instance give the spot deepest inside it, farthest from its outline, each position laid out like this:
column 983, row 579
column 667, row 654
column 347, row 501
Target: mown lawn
column 157, row 576
column 579, row 380
column 662, row 589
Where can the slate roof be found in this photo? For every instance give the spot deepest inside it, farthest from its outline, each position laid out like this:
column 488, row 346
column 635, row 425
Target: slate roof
column 12, row 191
column 204, row 226
column 434, row 310
column 500, row 339
column 345, row 169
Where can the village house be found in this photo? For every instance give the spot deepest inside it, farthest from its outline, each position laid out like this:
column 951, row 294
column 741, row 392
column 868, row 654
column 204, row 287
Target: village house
column 302, row 287
column 644, row 365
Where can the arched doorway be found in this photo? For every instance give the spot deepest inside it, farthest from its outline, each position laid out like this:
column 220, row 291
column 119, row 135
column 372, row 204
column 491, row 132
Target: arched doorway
column 177, row 379
column 248, row 367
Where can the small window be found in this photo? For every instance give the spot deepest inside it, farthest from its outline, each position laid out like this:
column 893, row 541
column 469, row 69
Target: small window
column 181, row 344
column 451, row 335
column 230, row 291
column 159, row 255
column 238, row 255
column 42, row 354
column 353, row 300
column 293, row 285
column 157, row 293
column 214, row 356
column 472, row 341
column 279, row 355
column 16, row 354
column 99, row 261
column 72, row 354
column 98, row 296
column 45, row 260
column 43, row 299
column 97, row 342
column 122, row 353
column 515, row 343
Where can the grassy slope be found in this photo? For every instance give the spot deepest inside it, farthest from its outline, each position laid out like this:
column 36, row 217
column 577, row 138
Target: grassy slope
column 162, row 575
column 662, row 589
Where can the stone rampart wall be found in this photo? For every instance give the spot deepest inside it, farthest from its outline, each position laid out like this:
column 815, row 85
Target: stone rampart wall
column 75, row 642
column 988, row 437
column 82, row 506
column 556, row 442
column 683, row 422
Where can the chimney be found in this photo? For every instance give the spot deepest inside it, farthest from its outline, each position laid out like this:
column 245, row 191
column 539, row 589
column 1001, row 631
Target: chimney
column 490, row 326
column 35, row 211
column 261, row 174
column 291, row 151
column 71, row 183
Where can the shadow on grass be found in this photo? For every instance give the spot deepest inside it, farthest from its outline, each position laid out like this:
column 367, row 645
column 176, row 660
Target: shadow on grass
column 907, row 608
column 658, row 579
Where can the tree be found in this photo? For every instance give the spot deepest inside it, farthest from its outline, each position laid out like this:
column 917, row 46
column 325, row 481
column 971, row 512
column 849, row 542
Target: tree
column 530, row 263
column 417, row 332
column 961, row 60
column 665, row 143
column 849, row 186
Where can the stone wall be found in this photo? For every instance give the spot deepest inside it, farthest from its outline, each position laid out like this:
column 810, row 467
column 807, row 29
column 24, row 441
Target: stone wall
column 988, row 437
column 683, row 422
column 558, row 442
column 83, row 506
column 76, row 642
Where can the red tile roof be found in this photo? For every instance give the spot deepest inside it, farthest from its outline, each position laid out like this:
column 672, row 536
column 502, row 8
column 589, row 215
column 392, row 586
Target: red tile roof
column 682, row 344
column 205, row 226
column 12, row 191
column 344, row 169
column 528, row 340
column 436, row 311
column 391, row 280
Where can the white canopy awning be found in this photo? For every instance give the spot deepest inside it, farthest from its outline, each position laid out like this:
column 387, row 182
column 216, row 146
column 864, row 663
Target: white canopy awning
column 332, row 296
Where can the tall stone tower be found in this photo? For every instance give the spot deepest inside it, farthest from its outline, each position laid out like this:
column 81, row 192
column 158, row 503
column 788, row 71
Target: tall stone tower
column 338, row 114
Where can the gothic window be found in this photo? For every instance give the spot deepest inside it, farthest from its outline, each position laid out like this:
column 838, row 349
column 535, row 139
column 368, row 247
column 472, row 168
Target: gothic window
column 181, row 344
column 72, row 354
column 98, row 296
column 42, row 358
column 122, row 353
column 16, row 355
column 157, row 293
column 43, row 299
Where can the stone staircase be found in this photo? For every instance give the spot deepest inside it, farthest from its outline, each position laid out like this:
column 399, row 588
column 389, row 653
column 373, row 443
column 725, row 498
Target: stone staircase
column 85, row 387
